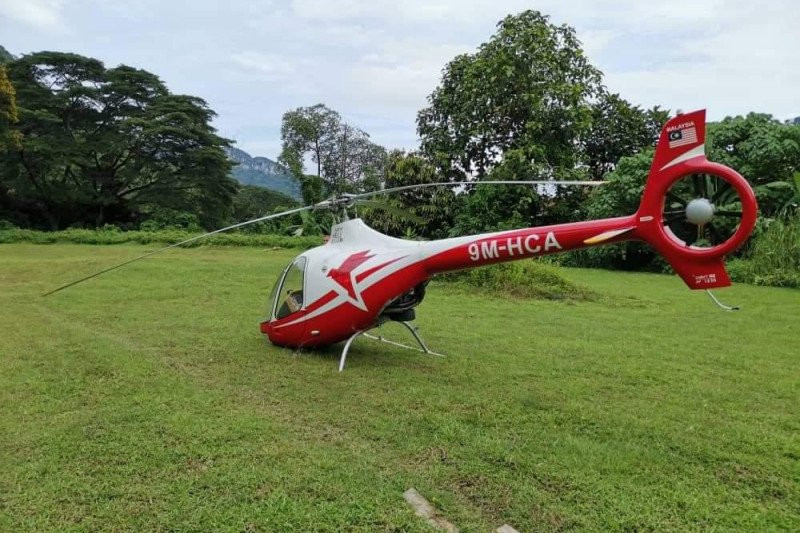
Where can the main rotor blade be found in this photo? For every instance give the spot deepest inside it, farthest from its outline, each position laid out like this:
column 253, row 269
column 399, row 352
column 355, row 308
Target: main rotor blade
column 330, row 203
column 400, row 213
column 192, row 239
column 487, row 182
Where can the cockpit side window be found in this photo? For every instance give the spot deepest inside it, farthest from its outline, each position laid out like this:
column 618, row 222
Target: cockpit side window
column 289, row 298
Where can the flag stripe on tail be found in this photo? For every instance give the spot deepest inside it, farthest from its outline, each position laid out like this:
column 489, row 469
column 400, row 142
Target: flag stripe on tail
column 683, row 137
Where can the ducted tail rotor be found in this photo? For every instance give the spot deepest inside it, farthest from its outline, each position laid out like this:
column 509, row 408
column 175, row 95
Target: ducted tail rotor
column 702, row 210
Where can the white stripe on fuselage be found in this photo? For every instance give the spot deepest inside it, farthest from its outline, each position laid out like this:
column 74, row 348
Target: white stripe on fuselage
column 402, row 258
column 341, row 294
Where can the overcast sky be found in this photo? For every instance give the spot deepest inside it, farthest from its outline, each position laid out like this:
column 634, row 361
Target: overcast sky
column 375, row 61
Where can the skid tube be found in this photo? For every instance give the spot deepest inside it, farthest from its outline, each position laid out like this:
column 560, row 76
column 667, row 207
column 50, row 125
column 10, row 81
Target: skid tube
column 413, row 329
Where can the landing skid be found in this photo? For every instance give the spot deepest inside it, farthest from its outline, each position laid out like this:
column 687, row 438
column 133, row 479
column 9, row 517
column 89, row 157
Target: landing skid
column 413, row 329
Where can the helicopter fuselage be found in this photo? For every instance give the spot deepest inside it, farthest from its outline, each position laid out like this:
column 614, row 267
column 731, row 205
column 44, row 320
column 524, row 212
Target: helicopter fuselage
column 351, row 283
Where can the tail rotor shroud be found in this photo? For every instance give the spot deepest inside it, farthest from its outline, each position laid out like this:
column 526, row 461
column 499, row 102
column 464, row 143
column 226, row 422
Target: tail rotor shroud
column 694, row 212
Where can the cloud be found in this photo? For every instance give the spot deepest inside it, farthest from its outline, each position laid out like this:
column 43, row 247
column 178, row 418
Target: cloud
column 41, row 14
column 400, row 74
column 743, row 60
column 265, row 65
column 376, row 61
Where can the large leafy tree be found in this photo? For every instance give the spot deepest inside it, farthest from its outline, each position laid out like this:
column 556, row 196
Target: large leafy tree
column 308, row 131
column 356, row 163
column 102, row 145
column 618, row 129
column 529, row 89
column 764, row 150
column 346, row 159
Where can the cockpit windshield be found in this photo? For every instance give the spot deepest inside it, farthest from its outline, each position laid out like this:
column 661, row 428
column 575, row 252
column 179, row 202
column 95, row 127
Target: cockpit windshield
column 287, row 295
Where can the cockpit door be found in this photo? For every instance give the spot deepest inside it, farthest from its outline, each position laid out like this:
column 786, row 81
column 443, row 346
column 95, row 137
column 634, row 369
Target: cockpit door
column 287, row 295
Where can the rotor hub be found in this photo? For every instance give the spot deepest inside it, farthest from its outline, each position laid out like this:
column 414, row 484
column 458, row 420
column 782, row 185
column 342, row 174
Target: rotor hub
column 699, row 211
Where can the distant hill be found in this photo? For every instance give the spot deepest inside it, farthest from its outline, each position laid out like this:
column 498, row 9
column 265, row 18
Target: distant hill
column 263, row 172
column 5, row 57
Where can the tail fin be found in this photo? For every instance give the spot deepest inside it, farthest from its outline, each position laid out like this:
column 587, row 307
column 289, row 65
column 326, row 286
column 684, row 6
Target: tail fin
column 682, row 138
column 680, row 153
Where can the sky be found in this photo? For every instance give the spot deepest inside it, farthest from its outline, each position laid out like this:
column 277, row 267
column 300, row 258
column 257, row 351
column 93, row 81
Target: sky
column 376, row 61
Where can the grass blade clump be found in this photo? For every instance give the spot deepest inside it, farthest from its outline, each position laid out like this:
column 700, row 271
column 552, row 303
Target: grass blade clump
column 522, row 279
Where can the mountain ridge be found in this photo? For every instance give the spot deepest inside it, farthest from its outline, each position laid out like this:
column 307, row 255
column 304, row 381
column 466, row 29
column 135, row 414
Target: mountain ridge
column 262, row 172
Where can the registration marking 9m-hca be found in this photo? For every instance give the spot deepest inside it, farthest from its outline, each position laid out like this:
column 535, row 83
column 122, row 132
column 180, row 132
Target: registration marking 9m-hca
column 512, row 246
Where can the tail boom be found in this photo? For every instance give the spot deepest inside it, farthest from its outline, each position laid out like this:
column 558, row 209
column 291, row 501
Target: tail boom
column 486, row 249
column 679, row 153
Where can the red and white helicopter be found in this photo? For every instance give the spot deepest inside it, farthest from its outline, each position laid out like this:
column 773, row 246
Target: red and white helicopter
column 693, row 212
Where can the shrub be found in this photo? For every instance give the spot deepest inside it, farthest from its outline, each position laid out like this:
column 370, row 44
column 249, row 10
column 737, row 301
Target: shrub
column 527, row 279
column 164, row 218
column 774, row 257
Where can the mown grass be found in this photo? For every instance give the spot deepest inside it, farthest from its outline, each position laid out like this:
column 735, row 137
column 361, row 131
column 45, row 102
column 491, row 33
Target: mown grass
column 147, row 399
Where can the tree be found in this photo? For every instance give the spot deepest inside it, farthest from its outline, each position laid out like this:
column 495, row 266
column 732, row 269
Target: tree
column 528, row 89
column 431, row 209
column 355, row 163
column 618, row 129
column 104, row 145
column 765, row 151
column 308, row 130
column 345, row 157
column 8, row 106
column 9, row 139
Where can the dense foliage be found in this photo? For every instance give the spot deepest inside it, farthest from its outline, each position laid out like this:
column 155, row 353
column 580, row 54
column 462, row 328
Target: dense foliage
column 100, row 145
column 618, row 129
column 8, row 110
column 434, row 207
column 774, row 258
column 766, row 152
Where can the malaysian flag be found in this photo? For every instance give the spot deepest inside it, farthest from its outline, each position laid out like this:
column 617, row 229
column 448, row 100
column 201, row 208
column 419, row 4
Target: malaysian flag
column 682, row 137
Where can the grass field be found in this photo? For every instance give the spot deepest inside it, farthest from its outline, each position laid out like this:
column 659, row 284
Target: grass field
column 148, row 400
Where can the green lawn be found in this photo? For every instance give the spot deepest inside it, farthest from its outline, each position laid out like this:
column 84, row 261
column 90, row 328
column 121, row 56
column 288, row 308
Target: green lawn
column 147, row 399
